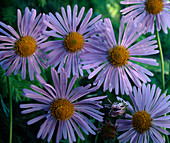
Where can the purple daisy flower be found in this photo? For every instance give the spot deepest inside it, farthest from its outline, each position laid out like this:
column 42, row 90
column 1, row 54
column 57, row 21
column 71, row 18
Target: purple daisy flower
column 145, row 12
column 73, row 38
column 114, row 62
column 62, row 107
column 147, row 119
column 16, row 50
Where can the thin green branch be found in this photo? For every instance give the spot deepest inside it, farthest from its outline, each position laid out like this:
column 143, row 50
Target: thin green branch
column 162, row 69
column 10, row 111
column 167, row 138
column 162, row 60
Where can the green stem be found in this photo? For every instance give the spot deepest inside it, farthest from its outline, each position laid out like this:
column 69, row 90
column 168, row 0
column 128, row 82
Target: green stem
column 162, row 60
column 78, row 139
column 167, row 138
column 10, row 111
column 96, row 138
column 162, row 68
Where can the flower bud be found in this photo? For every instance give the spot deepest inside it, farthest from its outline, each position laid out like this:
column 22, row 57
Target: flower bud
column 116, row 108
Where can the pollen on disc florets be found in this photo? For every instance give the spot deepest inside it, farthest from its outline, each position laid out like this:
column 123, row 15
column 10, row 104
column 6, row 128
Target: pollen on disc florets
column 61, row 109
column 141, row 121
column 25, row 46
column 154, row 6
column 118, row 56
column 73, row 42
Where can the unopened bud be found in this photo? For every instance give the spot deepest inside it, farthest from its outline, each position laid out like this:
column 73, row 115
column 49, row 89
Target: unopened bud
column 116, row 109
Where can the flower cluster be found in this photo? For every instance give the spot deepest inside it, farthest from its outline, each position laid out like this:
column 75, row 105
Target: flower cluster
column 147, row 117
column 62, row 108
column 85, row 44
column 74, row 38
column 146, row 11
column 114, row 60
column 18, row 50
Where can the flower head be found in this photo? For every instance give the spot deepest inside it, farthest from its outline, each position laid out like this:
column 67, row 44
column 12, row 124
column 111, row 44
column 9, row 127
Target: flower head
column 146, row 11
column 113, row 62
column 63, row 108
column 18, row 49
column 73, row 35
column 147, row 117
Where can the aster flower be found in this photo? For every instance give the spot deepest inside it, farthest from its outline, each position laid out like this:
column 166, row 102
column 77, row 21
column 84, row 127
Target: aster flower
column 146, row 11
column 147, row 120
column 62, row 108
column 114, row 62
column 73, row 38
column 16, row 49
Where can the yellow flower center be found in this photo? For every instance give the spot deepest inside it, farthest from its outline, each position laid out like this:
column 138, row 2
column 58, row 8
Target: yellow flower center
column 141, row 121
column 73, row 42
column 109, row 130
column 118, row 56
column 61, row 109
column 25, row 46
column 154, row 6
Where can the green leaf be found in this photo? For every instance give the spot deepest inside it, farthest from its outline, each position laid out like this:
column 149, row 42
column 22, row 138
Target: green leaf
column 9, row 15
column 4, row 107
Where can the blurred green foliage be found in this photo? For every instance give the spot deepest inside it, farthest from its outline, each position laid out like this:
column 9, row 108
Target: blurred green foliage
column 22, row 133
